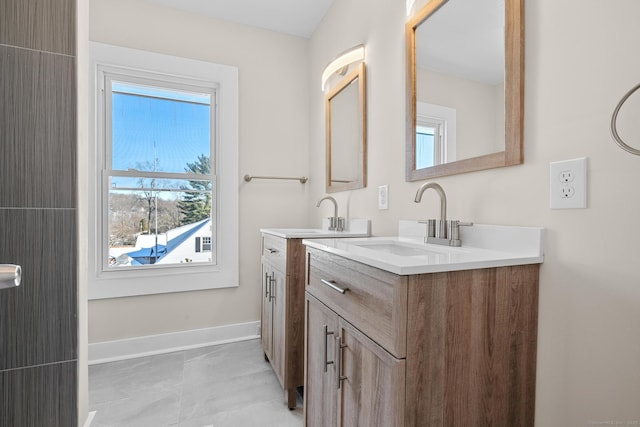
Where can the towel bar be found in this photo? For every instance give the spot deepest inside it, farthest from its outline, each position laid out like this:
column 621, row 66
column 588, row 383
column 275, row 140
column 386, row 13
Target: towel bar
column 302, row 179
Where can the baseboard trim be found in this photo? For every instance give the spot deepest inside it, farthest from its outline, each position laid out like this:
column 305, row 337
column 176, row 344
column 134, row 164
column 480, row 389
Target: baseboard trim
column 112, row 351
column 89, row 419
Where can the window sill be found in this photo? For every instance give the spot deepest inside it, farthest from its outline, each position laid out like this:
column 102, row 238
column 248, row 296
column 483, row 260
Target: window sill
column 127, row 283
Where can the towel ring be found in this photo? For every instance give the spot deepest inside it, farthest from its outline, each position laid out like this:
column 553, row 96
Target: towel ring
column 614, row 130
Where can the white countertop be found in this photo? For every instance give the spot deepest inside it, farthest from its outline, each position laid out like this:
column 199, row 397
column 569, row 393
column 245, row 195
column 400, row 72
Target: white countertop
column 487, row 246
column 355, row 228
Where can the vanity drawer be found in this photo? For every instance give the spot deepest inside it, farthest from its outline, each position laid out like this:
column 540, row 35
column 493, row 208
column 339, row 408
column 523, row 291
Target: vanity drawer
column 374, row 301
column 274, row 251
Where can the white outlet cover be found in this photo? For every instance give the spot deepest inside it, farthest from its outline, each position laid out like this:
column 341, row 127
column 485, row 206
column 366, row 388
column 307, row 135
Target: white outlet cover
column 383, row 197
column 568, row 193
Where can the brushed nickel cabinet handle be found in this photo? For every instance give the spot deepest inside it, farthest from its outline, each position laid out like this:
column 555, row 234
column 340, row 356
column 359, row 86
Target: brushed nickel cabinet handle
column 271, row 251
column 339, row 347
column 266, row 285
column 332, row 285
column 327, row 362
column 272, row 279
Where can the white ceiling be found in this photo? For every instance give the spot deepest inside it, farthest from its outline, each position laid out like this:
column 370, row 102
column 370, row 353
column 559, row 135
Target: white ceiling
column 296, row 17
column 465, row 37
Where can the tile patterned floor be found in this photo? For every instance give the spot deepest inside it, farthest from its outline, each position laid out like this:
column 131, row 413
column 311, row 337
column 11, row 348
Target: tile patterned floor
column 228, row 385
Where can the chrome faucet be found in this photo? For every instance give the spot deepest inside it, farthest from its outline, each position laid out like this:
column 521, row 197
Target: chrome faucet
column 335, row 222
column 442, row 231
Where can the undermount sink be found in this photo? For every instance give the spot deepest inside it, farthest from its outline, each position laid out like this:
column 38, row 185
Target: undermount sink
column 299, row 230
column 356, row 228
column 399, row 248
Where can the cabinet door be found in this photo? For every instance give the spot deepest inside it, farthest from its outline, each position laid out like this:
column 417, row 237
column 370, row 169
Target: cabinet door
column 372, row 381
column 266, row 326
column 278, row 327
column 320, row 374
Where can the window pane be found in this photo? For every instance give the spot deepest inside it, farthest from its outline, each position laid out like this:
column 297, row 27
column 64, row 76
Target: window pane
column 159, row 129
column 424, row 150
column 157, row 221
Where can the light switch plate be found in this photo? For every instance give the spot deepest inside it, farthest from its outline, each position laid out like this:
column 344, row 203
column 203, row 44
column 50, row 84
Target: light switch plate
column 568, row 184
column 383, row 197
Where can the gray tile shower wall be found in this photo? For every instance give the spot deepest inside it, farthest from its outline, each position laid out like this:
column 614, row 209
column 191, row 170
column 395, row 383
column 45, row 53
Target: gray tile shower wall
column 38, row 162
column 39, row 25
column 41, row 396
column 38, row 320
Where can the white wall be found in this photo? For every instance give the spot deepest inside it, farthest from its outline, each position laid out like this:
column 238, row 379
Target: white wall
column 474, row 102
column 273, row 84
column 580, row 59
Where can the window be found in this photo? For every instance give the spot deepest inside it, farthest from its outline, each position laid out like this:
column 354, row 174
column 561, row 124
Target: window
column 428, row 144
column 206, row 244
column 159, row 143
column 435, row 135
column 166, row 173
column 203, row 244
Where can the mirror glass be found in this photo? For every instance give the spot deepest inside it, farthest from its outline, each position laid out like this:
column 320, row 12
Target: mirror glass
column 464, row 87
column 346, row 132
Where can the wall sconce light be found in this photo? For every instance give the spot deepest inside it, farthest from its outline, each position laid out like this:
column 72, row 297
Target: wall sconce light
column 352, row 55
column 410, row 4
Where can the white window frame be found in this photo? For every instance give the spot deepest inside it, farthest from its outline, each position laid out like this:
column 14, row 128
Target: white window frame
column 433, row 115
column 221, row 79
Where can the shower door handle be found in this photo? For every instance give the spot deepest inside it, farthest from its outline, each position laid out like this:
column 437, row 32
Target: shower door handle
column 10, row 276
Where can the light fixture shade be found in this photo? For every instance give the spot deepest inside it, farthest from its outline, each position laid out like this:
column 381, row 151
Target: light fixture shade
column 352, row 55
column 410, row 4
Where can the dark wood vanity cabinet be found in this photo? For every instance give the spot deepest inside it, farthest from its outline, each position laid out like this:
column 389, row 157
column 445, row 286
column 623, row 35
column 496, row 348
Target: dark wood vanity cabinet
column 441, row 349
column 282, row 314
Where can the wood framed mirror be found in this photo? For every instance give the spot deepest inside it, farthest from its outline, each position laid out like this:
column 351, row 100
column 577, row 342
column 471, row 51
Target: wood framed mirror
column 346, row 132
column 465, row 87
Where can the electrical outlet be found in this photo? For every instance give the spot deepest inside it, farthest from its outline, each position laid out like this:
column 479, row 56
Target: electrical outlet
column 566, row 176
column 568, row 184
column 567, row 191
column 383, row 197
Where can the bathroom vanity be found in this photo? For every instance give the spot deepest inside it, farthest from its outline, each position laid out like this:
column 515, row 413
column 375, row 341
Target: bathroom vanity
column 402, row 333
column 282, row 314
column 282, row 302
